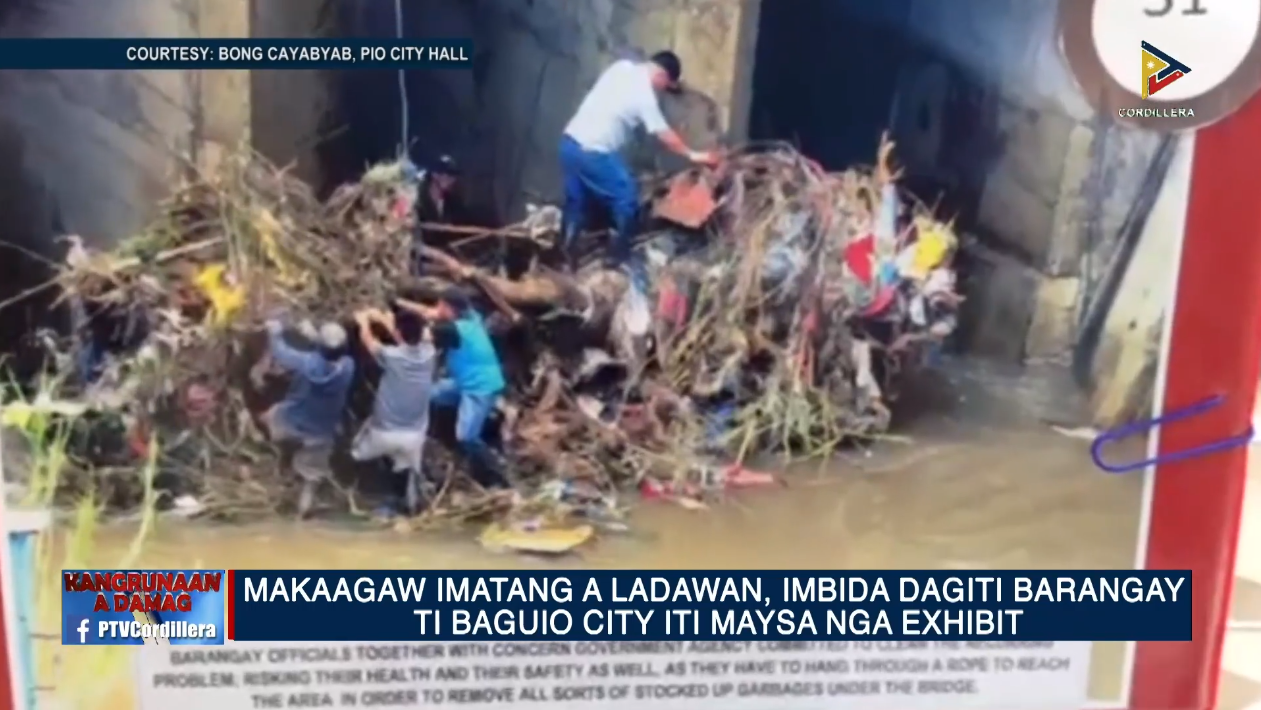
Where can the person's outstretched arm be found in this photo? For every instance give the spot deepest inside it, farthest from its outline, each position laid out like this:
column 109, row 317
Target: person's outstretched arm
column 370, row 341
column 287, row 356
column 429, row 313
column 655, row 123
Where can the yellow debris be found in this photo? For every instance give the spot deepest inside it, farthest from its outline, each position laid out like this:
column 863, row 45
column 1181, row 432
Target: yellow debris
column 498, row 536
column 22, row 415
column 225, row 300
column 933, row 244
column 268, row 228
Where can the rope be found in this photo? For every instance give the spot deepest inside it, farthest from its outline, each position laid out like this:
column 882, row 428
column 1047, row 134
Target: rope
column 402, row 80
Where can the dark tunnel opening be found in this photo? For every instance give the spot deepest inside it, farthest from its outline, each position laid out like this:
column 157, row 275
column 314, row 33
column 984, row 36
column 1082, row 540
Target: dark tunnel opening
column 831, row 76
column 379, row 114
column 826, row 79
column 863, row 46
column 29, row 215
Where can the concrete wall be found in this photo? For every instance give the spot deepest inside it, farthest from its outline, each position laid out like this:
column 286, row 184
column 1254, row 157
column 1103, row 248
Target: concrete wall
column 90, row 152
column 290, row 112
column 988, row 111
column 1124, row 365
column 103, row 145
column 536, row 58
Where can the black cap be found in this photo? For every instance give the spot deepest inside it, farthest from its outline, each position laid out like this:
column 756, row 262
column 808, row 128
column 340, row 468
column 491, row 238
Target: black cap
column 445, row 165
column 669, row 61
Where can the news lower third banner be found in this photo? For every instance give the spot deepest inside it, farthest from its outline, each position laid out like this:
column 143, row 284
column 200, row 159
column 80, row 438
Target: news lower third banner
column 325, row 605
column 136, row 607
column 235, row 54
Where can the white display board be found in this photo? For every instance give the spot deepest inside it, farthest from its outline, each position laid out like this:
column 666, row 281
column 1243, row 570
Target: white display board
column 691, row 675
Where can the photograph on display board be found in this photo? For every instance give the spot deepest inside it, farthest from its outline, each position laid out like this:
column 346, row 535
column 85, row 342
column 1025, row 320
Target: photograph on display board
column 808, row 285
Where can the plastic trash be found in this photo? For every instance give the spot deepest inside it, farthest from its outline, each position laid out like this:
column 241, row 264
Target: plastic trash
column 860, row 258
column 931, row 247
column 532, row 537
column 225, row 300
column 541, row 220
column 672, row 305
column 740, row 477
column 783, row 263
column 634, row 312
column 718, row 422
column 918, row 311
column 886, row 229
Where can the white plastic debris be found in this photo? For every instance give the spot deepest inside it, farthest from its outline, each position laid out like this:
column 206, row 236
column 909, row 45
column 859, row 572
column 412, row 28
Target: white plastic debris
column 541, row 220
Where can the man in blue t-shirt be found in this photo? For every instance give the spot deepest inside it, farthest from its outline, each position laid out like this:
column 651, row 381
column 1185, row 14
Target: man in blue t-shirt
column 474, row 381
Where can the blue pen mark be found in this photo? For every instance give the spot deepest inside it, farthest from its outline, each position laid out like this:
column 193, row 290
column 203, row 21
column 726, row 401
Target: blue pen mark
column 1122, row 432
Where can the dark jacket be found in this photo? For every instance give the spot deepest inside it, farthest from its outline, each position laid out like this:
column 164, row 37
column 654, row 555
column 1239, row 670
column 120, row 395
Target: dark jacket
column 454, row 210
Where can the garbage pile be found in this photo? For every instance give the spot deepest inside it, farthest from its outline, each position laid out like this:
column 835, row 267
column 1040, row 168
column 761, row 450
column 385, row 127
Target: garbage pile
column 778, row 306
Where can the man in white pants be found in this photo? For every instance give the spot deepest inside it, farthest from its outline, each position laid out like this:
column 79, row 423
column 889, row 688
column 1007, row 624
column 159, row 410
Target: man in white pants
column 399, row 425
column 623, row 99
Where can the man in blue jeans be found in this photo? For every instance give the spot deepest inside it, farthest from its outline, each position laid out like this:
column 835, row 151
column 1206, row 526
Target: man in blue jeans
column 624, row 98
column 474, row 381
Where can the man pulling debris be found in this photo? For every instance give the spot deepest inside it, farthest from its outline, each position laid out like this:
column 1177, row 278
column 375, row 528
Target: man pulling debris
column 623, row 98
column 101, row 328
column 310, row 414
column 437, row 200
column 474, row 382
column 399, row 424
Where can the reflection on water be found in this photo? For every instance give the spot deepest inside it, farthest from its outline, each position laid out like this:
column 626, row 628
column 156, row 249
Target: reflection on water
column 966, row 494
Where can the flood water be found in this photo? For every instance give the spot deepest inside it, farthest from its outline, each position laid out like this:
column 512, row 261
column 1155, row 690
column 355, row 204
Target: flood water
column 978, row 487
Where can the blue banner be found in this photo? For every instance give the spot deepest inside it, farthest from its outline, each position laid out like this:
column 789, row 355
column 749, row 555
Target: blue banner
column 326, row 605
column 235, row 54
column 135, row 607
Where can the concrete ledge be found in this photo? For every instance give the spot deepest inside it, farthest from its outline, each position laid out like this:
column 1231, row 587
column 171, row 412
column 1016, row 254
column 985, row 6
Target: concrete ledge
column 17, row 521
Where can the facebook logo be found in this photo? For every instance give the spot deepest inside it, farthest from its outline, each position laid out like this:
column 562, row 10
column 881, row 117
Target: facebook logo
column 79, row 628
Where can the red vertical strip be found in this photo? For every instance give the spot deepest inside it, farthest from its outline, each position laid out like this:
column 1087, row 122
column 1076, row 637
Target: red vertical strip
column 231, row 606
column 8, row 666
column 1216, row 350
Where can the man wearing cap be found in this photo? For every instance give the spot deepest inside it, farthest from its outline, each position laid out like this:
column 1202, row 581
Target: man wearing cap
column 310, row 415
column 474, row 381
column 437, row 200
column 623, row 99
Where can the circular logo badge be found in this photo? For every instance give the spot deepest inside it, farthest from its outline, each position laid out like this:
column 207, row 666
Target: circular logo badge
column 1164, row 64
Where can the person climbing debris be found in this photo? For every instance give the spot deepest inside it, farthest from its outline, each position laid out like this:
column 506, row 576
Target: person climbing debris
column 399, row 425
column 101, row 328
column 309, row 417
column 475, row 380
column 623, row 98
column 438, row 201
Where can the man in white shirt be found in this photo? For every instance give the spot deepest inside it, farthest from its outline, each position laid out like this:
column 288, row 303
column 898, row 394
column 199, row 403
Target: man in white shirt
column 623, row 99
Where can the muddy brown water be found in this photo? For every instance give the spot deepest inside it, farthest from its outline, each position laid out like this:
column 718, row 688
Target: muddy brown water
column 978, row 487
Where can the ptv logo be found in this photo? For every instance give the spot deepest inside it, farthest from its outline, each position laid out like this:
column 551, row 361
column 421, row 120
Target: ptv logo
column 1160, row 70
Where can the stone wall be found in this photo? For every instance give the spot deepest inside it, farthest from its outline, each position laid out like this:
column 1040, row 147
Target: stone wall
column 536, row 58
column 101, row 146
column 988, row 111
column 291, row 112
column 90, row 152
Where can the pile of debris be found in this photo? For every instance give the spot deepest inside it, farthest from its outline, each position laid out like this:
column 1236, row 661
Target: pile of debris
column 782, row 304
